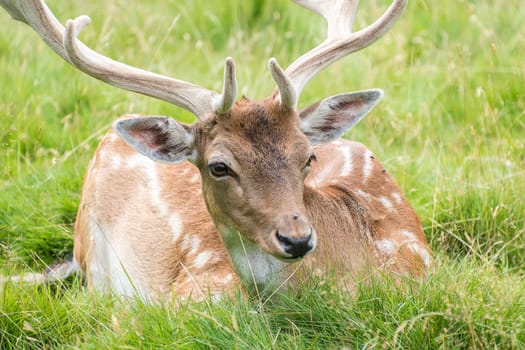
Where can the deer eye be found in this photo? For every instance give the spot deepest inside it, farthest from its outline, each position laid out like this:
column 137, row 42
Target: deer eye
column 309, row 162
column 219, row 169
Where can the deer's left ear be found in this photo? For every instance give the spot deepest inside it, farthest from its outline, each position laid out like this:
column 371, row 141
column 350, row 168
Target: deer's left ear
column 327, row 120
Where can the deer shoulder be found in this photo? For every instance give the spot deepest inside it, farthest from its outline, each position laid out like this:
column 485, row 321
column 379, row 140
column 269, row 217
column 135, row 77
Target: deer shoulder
column 147, row 220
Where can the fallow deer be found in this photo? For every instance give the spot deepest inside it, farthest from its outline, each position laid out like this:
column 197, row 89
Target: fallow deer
column 250, row 188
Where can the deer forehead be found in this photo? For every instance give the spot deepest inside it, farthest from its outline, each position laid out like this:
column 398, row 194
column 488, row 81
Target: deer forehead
column 256, row 135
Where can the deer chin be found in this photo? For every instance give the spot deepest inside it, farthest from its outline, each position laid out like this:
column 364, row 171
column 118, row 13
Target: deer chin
column 255, row 265
column 235, row 240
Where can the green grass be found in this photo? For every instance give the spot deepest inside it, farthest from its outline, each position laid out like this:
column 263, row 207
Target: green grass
column 461, row 306
column 451, row 129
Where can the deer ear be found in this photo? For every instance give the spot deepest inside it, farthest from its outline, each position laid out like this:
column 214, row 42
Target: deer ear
column 327, row 120
column 159, row 138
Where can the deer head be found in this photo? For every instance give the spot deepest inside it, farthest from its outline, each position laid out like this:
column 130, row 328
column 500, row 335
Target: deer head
column 253, row 156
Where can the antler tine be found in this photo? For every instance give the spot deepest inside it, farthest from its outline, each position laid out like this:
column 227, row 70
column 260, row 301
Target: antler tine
column 224, row 102
column 63, row 41
column 341, row 41
column 287, row 91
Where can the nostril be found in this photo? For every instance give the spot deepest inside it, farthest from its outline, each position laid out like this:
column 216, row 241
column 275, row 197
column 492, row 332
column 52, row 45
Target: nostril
column 309, row 241
column 285, row 241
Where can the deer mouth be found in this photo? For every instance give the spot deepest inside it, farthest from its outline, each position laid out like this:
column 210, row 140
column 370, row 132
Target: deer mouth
column 291, row 259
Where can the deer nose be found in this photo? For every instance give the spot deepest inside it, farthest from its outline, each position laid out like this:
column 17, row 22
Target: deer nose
column 296, row 247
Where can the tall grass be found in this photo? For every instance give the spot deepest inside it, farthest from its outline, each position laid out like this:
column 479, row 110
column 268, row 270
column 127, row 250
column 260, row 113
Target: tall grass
column 461, row 306
column 451, row 130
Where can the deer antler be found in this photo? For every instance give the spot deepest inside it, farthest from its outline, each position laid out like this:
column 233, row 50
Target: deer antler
column 340, row 42
column 63, row 41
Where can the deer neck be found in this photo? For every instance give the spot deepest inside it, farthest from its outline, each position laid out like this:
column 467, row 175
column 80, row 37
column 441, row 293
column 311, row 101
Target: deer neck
column 259, row 271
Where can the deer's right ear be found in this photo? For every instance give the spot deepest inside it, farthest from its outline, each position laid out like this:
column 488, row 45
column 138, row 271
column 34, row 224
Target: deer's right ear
column 159, row 138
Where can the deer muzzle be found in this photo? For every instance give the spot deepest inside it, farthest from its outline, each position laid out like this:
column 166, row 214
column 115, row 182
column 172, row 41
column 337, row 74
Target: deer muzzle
column 293, row 236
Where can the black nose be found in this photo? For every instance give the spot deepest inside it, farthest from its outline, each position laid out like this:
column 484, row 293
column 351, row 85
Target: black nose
column 296, row 247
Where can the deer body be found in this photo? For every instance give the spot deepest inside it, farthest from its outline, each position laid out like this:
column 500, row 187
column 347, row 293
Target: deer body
column 246, row 191
column 159, row 237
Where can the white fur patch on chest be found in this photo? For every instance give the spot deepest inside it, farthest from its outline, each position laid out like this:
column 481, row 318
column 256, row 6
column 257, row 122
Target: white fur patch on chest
column 256, row 268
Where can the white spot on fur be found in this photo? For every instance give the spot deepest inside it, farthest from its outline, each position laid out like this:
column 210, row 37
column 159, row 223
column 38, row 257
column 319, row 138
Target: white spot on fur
column 397, row 197
column 339, row 165
column 195, row 178
column 191, row 243
column 421, row 251
column 367, row 167
column 155, row 190
column 387, row 246
column 228, row 278
column 386, row 203
column 425, row 256
column 365, row 195
column 176, row 226
column 415, row 246
column 408, row 235
column 321, row 176
column 152, row 179
column 116, row 162
column 202, row 259
column 347, row 160
column 138, row 160
column 113, row 137
column 195, row 244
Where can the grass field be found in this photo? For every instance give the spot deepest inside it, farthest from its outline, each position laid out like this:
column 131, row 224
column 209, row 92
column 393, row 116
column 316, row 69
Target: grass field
column 451, row 129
